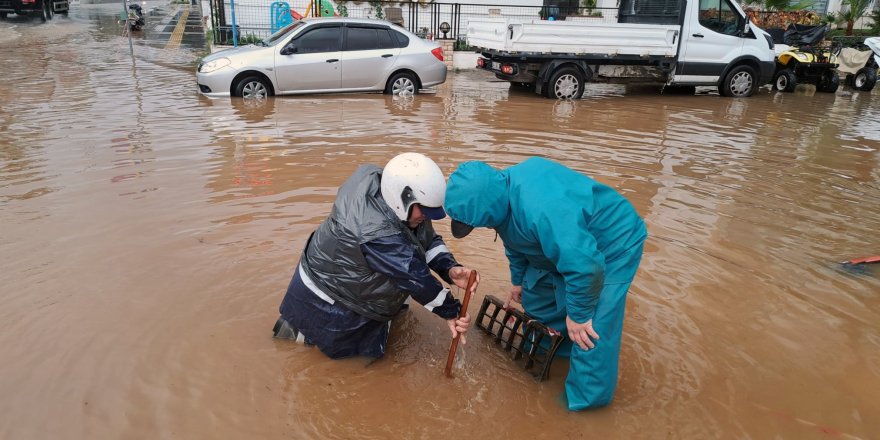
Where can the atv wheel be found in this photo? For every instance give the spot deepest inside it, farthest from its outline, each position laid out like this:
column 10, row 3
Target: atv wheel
column 829, row 83
column 865, row 79
column 740, row 82
column 785, row 81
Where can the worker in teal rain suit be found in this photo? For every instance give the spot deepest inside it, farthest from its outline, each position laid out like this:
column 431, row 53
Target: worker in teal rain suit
column 573, row 245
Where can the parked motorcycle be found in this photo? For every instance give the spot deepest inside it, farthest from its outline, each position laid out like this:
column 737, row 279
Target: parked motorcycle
column 135, row 19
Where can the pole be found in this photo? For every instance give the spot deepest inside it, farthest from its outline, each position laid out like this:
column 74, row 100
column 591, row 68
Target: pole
column 234, row 31
column 464, row 305
column 127, row 27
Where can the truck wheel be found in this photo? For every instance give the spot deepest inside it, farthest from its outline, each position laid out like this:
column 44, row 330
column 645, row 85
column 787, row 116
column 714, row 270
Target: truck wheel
column 740, row 82
column 2, row 16
column 252, row 87
column 865, row 79
column 44, row 15
column 50, row 8
column 566, row 83
column 829, row 83
column 785, row 81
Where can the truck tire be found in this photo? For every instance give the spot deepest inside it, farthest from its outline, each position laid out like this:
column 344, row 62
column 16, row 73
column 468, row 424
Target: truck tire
column 829, row 83
column 865, row 79
column 2, row 16
column 740, row 82
column 566, row 83
column 785, row 81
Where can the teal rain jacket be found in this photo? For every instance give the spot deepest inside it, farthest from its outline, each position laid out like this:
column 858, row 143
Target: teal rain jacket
column 555, row 222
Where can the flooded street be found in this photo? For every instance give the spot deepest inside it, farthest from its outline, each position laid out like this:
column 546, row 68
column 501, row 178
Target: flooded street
column 149, row 233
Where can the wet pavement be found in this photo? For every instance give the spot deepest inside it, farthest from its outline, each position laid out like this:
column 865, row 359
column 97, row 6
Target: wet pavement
column 148, row 235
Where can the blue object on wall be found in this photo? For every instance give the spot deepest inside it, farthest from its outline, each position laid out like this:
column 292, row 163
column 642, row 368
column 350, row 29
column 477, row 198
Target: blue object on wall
column 280, row 15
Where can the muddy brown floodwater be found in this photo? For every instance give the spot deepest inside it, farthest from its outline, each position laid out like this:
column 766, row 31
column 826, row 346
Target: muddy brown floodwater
column 148, row 235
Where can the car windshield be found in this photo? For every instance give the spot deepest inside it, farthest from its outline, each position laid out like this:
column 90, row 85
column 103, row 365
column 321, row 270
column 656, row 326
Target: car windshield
column 278, row 36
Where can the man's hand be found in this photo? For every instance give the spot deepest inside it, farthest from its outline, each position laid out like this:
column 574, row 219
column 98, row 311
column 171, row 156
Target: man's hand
column 581, row 333
column 515, row 295
column 459, row 326
column 460, row 275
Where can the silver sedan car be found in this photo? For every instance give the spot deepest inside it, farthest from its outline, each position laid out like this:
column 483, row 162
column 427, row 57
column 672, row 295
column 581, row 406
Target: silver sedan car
column 321, row 55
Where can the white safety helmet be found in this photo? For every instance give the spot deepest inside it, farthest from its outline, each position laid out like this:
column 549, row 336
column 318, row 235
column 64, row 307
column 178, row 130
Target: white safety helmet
column 411, row 178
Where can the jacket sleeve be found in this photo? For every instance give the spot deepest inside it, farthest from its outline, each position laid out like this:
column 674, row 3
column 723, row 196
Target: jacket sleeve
column 396, row 258
column 568, row 243
column 518, row 265
column 440, row 260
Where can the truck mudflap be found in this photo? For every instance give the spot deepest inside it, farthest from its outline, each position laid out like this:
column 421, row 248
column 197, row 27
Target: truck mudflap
column 765, row 72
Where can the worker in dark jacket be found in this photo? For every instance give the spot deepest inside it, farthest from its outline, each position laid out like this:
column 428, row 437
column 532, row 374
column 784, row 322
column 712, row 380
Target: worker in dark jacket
column 376, row 249
column 573, row 246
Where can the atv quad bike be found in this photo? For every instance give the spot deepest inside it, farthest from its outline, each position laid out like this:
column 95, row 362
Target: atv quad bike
column 805, row 61
column 865, row 78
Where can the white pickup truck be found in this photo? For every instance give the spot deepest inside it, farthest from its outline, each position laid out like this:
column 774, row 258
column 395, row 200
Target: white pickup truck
column 703, row 43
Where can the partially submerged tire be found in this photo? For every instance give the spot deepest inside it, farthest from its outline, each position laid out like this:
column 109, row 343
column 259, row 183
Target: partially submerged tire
column 740, row 82
column 829, row 83
column 252, row 87
column 785, row 81
column 44, row 11
column 566, row 83
column 865, row 79
column 402, row 83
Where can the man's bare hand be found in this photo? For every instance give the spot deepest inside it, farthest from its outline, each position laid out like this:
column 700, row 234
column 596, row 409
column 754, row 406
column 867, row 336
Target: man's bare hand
column 515, row 295
column 581, row 333
column 459, row 326
column 460, row 275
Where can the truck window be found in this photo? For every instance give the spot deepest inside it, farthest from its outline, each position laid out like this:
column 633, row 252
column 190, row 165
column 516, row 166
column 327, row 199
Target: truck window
column 720, row 16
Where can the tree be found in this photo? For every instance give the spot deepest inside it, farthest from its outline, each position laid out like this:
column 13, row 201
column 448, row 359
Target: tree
column 854, row 10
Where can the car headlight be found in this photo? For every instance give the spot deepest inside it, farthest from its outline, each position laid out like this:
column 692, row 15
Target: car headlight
column 211, row 66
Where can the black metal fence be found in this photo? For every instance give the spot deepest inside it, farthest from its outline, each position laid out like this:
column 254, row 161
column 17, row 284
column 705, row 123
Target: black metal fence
column 257, row 19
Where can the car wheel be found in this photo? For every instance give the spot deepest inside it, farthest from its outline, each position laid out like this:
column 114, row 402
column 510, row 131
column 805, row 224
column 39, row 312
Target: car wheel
column 252, row 87
column 865, row 79
column 566, row 83
column 50, row 9
column 2, row 16
column 785, row 81
column 829, row 83
column 402, row 83
column 740, row 82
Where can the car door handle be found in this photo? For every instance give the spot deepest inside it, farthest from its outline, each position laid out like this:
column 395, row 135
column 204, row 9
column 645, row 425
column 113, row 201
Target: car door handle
column 333, row 60
column 387, row 55
column 698, row 35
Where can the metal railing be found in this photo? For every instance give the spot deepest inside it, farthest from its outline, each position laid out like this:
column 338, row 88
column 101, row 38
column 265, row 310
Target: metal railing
column 443, row 21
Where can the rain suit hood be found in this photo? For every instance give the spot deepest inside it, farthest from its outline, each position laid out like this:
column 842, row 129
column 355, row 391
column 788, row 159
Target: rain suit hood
column 477, row 195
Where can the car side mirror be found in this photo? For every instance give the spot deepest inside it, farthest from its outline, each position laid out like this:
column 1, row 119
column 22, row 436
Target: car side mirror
column 289, row 49
column 746, row 29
